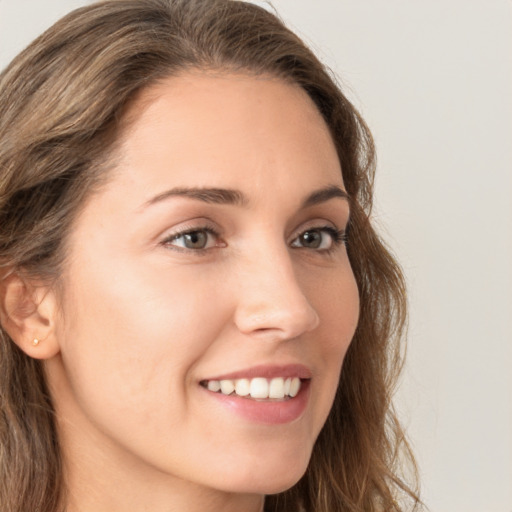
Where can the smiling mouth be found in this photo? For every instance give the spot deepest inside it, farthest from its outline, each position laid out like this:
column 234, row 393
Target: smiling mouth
column 258, row 388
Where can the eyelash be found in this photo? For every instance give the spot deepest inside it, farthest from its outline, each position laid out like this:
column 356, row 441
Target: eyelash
column 175, row 236
column 338, row 237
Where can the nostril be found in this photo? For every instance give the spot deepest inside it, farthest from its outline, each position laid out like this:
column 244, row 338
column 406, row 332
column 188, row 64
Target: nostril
column 277, row 320
column 272, row 303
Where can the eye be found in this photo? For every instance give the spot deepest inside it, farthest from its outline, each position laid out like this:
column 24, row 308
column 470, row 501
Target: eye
column 193, row 239
column 320, row 239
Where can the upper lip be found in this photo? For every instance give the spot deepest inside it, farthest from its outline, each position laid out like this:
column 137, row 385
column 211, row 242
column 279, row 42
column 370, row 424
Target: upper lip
column 267, row 371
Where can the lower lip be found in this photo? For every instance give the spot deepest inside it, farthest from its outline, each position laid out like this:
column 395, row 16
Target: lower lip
column 266, row 412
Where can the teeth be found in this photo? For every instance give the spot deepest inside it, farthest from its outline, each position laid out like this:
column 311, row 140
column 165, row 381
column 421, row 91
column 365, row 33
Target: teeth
column 214, row 385
column 259, row 387
column 294, row 387
column 287, row 384
column 242, row 387
column 227, row 387
column 276, row 388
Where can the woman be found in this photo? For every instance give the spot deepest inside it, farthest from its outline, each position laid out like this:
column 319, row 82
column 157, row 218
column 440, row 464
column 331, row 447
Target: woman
column 196, row 312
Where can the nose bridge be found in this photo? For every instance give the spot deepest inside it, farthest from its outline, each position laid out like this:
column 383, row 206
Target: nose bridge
column 271, row 298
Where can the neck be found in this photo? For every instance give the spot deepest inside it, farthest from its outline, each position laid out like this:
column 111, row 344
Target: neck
column 96, row 486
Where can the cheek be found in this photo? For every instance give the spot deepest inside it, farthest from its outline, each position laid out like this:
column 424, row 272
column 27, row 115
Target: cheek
column 337, row 303
column 344, row 314
column 129, row 342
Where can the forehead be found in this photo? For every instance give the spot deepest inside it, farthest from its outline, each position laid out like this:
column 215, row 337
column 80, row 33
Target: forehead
column 209, row 121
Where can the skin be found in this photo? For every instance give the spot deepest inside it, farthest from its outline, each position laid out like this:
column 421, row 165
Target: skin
column 143, row 319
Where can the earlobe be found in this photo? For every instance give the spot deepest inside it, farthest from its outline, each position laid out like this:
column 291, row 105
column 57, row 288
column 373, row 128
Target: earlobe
column 28, row 314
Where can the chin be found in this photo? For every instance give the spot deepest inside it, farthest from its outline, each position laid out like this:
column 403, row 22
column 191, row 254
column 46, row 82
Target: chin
column 272, row 479
column 268, row 486
column 281, row 485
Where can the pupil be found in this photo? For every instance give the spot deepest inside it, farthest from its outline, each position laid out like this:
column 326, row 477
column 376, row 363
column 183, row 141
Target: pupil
column 312, row 239
column 195, row 240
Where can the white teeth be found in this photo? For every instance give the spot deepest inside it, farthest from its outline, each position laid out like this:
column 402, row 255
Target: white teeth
column 259, row 387
column 294, row 386
column 214, row 385
column 227, row 387
column 276, row 388
column 242, row 387
column 287, row 383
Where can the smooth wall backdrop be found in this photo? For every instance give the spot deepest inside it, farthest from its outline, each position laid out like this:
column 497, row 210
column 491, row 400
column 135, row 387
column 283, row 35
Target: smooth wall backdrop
column 434, row 81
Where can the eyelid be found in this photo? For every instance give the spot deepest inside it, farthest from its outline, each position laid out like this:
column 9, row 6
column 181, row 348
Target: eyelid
column 318, row 224
column 193, row 226
column 338, row 235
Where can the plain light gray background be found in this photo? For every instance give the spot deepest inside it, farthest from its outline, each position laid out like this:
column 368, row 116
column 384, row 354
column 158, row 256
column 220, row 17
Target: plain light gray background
column 434, row 81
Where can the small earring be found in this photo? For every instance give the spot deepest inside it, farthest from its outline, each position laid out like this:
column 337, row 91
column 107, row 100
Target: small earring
column 35, row 342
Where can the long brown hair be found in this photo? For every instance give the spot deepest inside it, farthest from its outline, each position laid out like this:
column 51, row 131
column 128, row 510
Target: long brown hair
column 61, row 107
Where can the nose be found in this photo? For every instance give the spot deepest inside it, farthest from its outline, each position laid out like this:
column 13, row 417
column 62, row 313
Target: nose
column 272, row 303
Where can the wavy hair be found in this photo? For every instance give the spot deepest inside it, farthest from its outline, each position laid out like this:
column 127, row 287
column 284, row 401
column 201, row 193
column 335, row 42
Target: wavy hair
column 62, row 102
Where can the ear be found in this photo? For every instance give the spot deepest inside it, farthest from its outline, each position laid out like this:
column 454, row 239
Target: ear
column 28, row 314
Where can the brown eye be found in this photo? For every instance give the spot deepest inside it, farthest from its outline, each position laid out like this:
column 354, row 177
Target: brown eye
column 195, row 240
column 198, row 239
column 311, row 239
column 320, row 239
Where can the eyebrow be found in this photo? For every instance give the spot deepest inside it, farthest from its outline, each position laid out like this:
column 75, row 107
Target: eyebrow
column 207, row 195
column 324, row 194
column 225, row 196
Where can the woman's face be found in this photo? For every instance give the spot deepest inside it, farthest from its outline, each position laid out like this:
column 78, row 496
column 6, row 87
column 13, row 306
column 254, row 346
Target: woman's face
column 214, row 257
